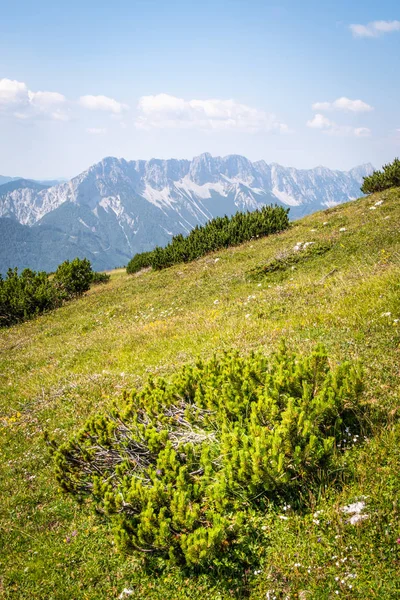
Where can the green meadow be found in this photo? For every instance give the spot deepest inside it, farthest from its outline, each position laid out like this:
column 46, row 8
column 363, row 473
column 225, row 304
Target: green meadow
column 60, row 368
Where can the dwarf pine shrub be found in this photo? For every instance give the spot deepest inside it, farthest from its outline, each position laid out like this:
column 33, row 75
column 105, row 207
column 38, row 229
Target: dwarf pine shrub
column 387, row 178
column 30, row 293
column 99, row 277
column 184, row 467
column 139, row 261
column 218, row 233
column 25, row 295
column 73, row 278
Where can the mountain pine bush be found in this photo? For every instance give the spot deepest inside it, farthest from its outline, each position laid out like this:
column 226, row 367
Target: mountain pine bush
column 25, row 295
column 99, row 277
column 73, row 278
column 185, row 467
column 382, row 180
column 218, row 233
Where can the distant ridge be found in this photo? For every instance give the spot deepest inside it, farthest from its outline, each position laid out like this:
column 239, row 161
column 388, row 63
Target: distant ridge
column 117, row 208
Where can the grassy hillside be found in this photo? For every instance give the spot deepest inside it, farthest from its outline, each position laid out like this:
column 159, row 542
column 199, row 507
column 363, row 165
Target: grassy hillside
column 61, row 368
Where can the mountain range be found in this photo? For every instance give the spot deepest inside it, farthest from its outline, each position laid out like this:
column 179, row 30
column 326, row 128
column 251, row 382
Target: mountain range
column 117, row 208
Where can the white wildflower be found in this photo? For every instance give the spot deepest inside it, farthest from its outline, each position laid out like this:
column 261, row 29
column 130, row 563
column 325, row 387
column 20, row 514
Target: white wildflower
column 325, row 223
column 283, row 517
column 126, row 592
column 342, row 229
column 316, row 521
column 355, row 510
column 308, row 244
column 372, row 208
column 354, row 519
column 386, row 314
column 247, row 316
column 216, row 301
column 216, row 259
column 379, row 203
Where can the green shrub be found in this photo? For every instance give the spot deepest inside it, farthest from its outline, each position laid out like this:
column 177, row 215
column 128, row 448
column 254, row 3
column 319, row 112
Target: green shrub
column 73, row 278
column 26, row 295
column 100, row 277
column 185, row 467
column 29, row 294
column 382, row 180
column 218, row 233
column 139, row 262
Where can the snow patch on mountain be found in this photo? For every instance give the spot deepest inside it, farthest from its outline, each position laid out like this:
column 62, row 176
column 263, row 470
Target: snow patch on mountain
column 192, row 189
column 159, row 198
column 285, row 198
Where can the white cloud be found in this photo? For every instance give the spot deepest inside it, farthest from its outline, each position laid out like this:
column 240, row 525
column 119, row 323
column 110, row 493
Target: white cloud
column 103, row 103
column 96, row 130
column 16, row 99
column 343, row 103
column 44, row 100
column 375, row 28
column 331, row 128
column 13, row 93
column 163, row 111
column 322, row 106
column 362, row 132
column 319, row 122
column 59, row 115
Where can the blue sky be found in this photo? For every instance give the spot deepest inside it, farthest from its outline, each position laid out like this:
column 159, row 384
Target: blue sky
column 299, row 83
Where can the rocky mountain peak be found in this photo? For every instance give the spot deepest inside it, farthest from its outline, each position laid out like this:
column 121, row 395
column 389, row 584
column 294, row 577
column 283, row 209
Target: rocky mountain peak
column 118, row 207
